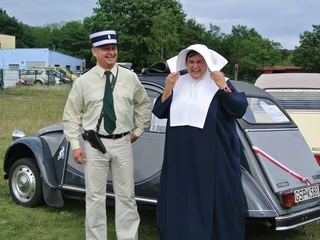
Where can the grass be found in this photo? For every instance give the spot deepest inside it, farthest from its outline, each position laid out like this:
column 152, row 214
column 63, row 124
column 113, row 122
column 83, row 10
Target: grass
column 31, row 108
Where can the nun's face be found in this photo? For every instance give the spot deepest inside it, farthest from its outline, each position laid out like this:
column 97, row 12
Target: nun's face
column 196, row 66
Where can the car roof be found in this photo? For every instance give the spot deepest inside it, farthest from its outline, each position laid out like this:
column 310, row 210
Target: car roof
column 35, row 69
column 289, row 80
column 250, row 90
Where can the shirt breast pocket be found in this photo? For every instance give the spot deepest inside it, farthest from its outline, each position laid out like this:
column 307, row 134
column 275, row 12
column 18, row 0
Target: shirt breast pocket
column 123, row 94
column 93, row 98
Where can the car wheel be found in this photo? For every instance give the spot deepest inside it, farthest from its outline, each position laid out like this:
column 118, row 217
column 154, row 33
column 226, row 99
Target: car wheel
column 37, row 82
column 25, row 183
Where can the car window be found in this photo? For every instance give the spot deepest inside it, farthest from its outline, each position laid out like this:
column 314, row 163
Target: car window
column 68, row 70
column 264, row 111
column 153, row 95
column 58, row 73
column 34, row 72
column 60, row 70
column 156, row 124
column 297, row 98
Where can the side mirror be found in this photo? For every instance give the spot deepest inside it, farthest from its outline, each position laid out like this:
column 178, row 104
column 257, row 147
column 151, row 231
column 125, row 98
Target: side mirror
column 16, row 134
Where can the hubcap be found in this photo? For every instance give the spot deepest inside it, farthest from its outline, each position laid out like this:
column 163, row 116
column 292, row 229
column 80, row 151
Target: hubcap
column 23, row 183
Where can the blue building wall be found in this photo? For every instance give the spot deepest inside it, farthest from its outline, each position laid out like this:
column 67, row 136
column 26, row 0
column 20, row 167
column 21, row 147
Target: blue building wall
column 64, row 60
column 51, row 58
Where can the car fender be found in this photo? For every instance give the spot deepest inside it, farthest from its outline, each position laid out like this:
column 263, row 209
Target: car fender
column 257, row 204
column 37, row 148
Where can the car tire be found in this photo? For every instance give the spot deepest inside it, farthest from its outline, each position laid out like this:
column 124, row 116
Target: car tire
column 25, row 183
column 38, row 82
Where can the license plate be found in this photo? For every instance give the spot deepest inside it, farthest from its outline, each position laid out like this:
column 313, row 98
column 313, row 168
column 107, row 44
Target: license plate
column 305, row 194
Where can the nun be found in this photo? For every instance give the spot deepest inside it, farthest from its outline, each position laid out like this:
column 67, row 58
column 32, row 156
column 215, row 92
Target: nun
column 200, row 193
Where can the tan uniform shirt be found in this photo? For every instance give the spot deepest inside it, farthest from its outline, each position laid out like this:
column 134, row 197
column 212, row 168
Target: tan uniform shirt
column 85, row 102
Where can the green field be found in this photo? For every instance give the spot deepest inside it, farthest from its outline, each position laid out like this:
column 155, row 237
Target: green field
column 31, row 108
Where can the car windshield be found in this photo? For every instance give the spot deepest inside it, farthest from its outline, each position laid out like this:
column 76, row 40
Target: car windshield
column 59, row 73
column 297, row 98
column 264, row 111
column 67, row 70
column 33, row 72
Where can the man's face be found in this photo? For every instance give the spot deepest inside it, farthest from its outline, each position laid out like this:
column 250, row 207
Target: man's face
column 196, row 66
column 106, row 55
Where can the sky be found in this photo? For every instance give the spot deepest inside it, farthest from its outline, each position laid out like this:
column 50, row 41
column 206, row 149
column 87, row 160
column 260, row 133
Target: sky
column 279, row 20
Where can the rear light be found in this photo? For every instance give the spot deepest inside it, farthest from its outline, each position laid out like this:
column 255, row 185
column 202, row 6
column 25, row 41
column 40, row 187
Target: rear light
column 287, row 199
column 317, row 159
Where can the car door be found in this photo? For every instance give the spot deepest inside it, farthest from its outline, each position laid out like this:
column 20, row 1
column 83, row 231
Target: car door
column 148, row 152
column 30, row 75
column 50, row 78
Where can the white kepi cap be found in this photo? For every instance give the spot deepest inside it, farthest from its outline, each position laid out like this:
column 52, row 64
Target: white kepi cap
column 103, row 38
column 214, row 60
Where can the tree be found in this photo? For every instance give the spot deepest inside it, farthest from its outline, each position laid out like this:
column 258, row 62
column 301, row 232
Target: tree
column 8, row 25
column 194, row 33
column 163, row 41
column 214, row 36
column 74, row 39
column 233, row 42
column 260, row 52
column 42, row 36
column 287, row 57
column 307, row 55
column 133, row 21
column 249, row 50
column 11, row 26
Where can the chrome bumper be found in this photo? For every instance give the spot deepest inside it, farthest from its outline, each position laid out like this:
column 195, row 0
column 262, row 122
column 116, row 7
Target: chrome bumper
column 297, row 219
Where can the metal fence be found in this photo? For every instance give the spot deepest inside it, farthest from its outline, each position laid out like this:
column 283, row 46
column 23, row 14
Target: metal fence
column 9, row 78
column 1, row 80
column 12, row 78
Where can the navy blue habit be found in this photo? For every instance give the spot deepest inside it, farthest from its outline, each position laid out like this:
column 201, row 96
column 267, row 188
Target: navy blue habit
column 200, row 194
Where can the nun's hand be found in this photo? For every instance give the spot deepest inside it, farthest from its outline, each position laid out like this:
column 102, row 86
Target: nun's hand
column 170, row 82
column 218, row 78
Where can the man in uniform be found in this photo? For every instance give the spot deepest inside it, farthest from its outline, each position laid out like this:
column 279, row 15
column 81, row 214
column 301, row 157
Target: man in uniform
column 111, row 95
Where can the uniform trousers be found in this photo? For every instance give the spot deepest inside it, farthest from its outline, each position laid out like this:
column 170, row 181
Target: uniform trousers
column 119, row 159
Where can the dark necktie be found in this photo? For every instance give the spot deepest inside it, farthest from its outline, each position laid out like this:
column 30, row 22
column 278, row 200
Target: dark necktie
column 109, row 115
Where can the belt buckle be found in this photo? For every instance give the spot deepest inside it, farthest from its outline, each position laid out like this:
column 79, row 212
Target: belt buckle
column 113, row 136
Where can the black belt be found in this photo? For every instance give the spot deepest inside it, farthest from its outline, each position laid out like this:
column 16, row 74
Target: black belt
column 114, row 136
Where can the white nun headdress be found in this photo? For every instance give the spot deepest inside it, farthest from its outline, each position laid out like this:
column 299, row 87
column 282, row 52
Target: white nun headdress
column 214, row 60
column 192, row 97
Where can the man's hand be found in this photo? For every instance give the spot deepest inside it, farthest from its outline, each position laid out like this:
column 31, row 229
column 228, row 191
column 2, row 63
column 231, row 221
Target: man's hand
column 133, row 138
column 79, row 156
